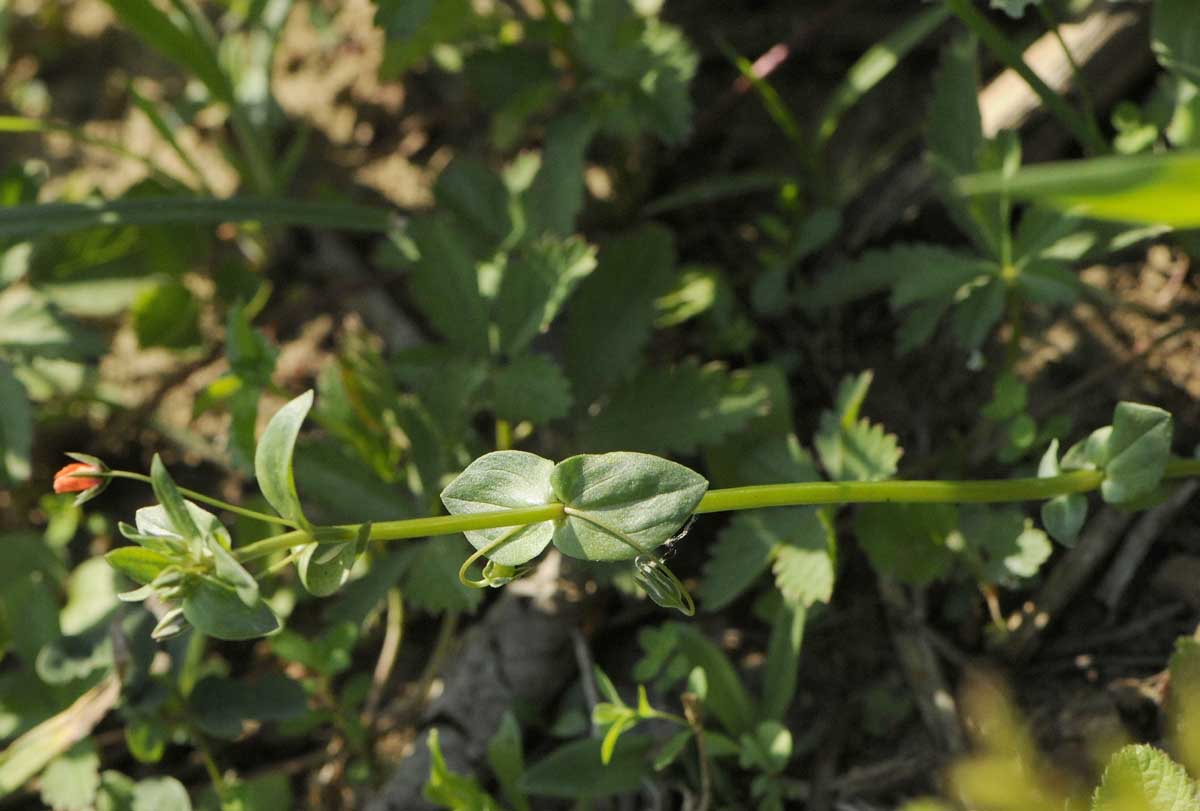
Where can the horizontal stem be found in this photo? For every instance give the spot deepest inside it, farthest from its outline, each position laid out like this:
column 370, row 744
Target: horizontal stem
column 929, row 492
column 741, row 498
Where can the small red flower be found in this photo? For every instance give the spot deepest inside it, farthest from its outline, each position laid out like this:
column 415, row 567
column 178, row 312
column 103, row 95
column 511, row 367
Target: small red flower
column 64, row 482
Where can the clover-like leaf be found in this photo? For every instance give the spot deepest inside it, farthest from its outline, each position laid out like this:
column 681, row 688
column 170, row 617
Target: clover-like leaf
column 220, row 613
column 1137, row 452
column 273, row 458
column 504, row 480
column 622, row 504
column 1063, row 516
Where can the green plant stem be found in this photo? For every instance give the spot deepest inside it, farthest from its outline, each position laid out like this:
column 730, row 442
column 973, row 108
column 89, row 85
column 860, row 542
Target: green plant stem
column 740, row 498
column 192, row 494
column 1080, row 126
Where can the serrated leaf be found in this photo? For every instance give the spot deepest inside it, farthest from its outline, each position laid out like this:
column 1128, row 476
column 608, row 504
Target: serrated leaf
column 16, row 428
column 612, row 312
column 479, row 199
column 909, row 542
column 532, row 388
column 273, row 458
column 220, row 613
column 1183, row 708
column 804, row 562
column 621, row 504
column 677, row 410
column 71, row 780
column 852, row 449
column 430, row 582
column 740, row 555
column 555, row 197
column 535, row 284
column 504, row 480
column 445, row 284
column 1137, row 452
column 1142, row 778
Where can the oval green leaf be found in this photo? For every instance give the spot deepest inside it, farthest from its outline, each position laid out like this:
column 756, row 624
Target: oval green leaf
column 273, row 458
column 220, row 613
column 325, row 568
column 575, row 770
column 504, row 480
column 622, row 504
column 138, row 564
column 1137, row 452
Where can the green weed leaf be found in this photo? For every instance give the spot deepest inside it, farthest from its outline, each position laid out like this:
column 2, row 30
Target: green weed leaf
column 726, row 697
column 532, row 388
column 507, row 759
column 1175, row 37
column 1005, row 543
column 740, row 555
column 783, row 661
column 273, row 459
column 535, row 284
column 430, row 582
column 1144, row 778
column 622, row 504
column 71, row 780
column 138, row 564
column 575, row 770
column 220, row 613
column 499, row 481
column 612, row 312
column 677, row 410
column 1137, row 452
column 852, row 449
column 804, row 568
column 166, row 315
column 178, row 517
column 445, row 284
column 16, row 428
column 910, row 542
column 325, row 568
column 160, row 794
column 1063, row 516
column 220, row 706
column 449, row 788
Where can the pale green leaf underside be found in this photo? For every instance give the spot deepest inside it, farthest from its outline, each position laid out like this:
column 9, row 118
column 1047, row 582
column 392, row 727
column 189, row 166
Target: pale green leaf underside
column 273, row 458
column 622, row 504
column 1137, row 452
column 504, row 480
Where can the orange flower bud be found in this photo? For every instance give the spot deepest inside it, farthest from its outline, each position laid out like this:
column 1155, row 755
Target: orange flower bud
column 64, row 482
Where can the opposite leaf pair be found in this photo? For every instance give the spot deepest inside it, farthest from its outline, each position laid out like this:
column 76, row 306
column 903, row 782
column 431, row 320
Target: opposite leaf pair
column 616, row 506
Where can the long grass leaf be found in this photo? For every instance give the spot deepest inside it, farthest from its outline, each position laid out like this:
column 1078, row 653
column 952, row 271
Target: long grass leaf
column 60, row 218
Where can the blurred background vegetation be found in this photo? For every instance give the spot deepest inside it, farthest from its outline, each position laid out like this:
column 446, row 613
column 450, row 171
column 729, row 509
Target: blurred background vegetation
column 724, row 232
